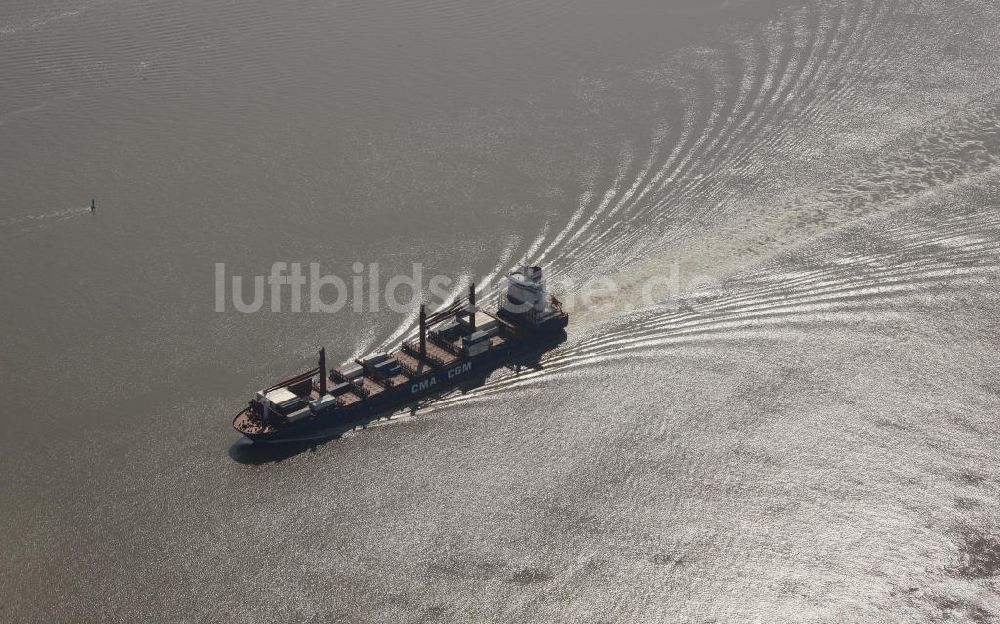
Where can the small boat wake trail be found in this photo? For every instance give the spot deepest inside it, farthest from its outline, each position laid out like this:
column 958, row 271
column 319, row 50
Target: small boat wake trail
column 39, row 220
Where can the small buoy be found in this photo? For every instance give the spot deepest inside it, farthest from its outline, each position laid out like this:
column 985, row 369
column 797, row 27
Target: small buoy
column 93, row 205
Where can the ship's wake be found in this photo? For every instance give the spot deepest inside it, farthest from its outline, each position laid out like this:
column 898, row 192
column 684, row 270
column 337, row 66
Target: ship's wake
column 788, row 108
column 861, row 276
column 39, row 220
column 758, row 151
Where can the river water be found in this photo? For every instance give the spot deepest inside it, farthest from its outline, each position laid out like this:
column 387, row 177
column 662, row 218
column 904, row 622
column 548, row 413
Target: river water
column 802, row 427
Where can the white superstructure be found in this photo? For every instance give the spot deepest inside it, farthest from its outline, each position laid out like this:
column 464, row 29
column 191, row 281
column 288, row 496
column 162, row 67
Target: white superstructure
column 525, row 298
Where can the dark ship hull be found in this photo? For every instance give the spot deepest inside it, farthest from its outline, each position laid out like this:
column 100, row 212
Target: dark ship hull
column 431, row 384
column 470, row 345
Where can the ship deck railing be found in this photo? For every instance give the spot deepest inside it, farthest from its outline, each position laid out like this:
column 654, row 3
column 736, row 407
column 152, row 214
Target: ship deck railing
column 433, row 359
column 373, row 374
column 336, row 376
column 444, row 344
column 409, row 370
column 412, row 363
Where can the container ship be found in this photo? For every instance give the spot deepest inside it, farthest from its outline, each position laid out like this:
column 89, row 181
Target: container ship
column 453, row 346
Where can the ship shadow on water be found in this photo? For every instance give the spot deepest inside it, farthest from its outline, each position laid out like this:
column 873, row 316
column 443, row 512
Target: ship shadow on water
column 250, row 453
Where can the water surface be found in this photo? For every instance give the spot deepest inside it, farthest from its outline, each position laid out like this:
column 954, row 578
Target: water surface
column 809, row 435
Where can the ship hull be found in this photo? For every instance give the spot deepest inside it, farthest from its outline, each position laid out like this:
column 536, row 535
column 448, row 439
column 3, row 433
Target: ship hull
column 336, row 421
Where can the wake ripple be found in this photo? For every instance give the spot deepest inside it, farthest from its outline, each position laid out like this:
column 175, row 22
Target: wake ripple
column 41, row 219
